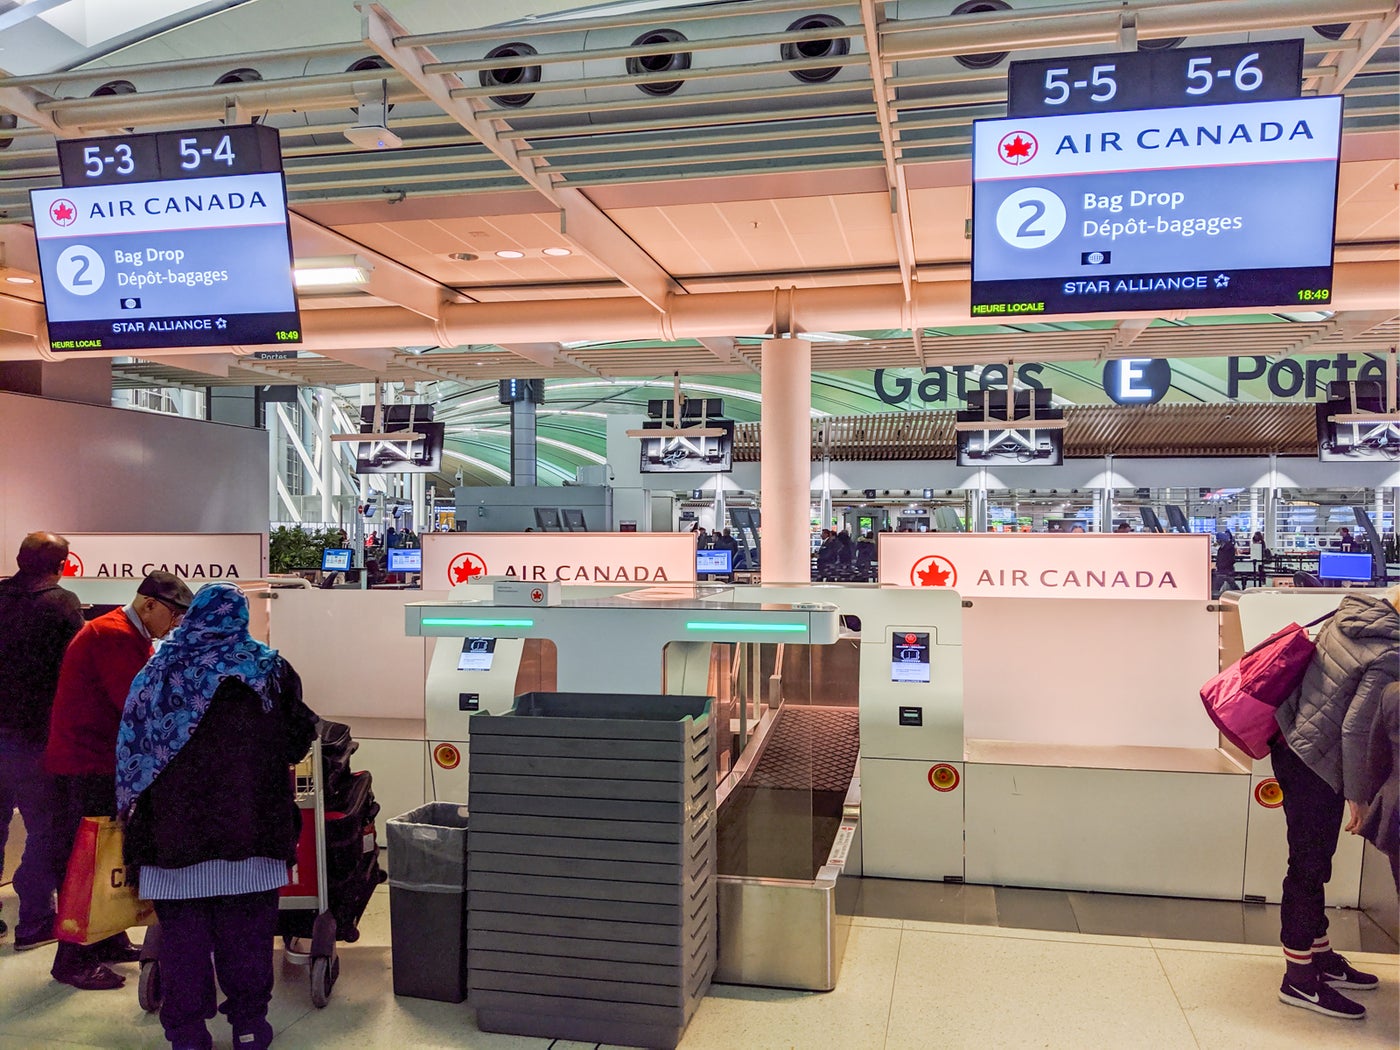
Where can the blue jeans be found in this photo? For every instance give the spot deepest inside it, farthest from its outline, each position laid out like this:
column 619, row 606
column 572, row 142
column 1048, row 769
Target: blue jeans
column 24, row 782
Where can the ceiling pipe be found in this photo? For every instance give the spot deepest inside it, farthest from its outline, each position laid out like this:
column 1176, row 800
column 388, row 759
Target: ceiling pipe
column 1356, row 286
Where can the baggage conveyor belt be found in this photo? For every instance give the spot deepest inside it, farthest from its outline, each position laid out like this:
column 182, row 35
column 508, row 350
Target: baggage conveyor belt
column 786, row 831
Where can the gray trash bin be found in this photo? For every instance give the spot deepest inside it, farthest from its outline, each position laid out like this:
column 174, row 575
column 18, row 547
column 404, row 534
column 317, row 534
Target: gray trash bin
column 428, row 901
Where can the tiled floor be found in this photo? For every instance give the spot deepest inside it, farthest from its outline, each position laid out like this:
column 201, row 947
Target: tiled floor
column 927, row 965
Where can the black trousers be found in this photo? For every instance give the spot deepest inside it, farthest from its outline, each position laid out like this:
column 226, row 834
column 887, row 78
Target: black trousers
column 1313, row 812
column 232, row 936
column 79, row 797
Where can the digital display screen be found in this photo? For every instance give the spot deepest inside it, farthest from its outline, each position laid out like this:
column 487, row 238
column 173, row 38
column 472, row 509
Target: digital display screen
column 186, row 262
column 909, row 656
column 336, row 559
column 405, row 559
column 1351, row 568
column 716, row 561
column 477, row 654
column 1156, row 209
column 709, row 453
column 1010, row 445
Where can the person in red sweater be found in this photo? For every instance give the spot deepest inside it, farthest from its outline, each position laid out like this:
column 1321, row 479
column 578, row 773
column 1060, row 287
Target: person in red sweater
column 93, row 682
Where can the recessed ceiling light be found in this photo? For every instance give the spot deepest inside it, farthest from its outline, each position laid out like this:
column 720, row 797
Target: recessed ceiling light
column 463, row 256
column 509, row 253
column 558, row 251
column 20, row 280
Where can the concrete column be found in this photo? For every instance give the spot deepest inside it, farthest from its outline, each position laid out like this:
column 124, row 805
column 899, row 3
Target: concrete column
column 785, row 473
column 523, row 469
column 327, row 453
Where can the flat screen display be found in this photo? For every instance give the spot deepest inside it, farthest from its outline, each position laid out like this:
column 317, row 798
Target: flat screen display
column 670, row 454
column 714, row 561
column 336, row 559
column 1156, row 209
column 191, row 262
column 405, row 559
column 909, row 656
column 1348, row 568
column 1010, row 445
column 477, row 654
column 401, row 457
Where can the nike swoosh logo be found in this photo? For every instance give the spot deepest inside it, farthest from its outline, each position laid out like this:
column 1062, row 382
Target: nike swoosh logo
column 1304, row 995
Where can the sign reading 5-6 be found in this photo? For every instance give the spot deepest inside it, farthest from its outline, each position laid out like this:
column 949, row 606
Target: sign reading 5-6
column 1150, row 79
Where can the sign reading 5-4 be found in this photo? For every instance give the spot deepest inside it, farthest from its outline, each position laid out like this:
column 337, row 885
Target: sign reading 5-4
column 201, row 153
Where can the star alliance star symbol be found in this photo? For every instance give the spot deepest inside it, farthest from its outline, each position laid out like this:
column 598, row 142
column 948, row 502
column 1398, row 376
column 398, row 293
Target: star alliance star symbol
column 221, row 324
column 1222, row 281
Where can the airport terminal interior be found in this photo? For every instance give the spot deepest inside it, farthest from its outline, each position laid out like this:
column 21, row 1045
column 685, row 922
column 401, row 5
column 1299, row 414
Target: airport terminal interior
column 755, row 489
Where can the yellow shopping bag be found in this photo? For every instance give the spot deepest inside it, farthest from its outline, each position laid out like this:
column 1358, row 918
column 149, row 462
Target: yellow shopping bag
column 98, row 899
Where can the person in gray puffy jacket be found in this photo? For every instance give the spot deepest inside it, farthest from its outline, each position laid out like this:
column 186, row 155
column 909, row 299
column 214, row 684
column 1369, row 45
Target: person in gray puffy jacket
column 1319, row 759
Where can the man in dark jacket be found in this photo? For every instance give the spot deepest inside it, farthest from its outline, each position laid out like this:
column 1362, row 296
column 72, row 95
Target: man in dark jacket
column 38, row 619
column 82, row 750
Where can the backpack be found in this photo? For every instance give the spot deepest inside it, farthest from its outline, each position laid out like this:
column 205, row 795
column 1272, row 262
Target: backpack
column 1242, row 699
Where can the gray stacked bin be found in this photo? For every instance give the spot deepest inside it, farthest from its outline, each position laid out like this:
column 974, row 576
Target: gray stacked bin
column 591, row 878
column 427, row 901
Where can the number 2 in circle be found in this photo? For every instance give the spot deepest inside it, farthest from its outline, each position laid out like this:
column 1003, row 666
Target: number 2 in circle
column 80, row 269
column 1031, row 218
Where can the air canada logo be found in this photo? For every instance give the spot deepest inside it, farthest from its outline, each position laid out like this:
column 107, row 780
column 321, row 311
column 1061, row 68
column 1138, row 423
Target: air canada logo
column 73, row 566
column 62, row 212
column 933, row 570
column 1017, row 148
column 464, row 568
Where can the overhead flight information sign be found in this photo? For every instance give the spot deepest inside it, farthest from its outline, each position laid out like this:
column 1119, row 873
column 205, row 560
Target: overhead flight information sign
column 168, row 240
column 1156, row 209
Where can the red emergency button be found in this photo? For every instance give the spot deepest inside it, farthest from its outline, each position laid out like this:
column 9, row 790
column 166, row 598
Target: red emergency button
column 1269, row 793
column 447, row 756
column 943, row 777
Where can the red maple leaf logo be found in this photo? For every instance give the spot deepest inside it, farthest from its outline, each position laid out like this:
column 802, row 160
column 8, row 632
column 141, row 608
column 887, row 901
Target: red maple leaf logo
column 934, row 577
column 62, row 212
column 464, row 568
column 910, row 639
column 1017, row 147
column 73, row 566
column 933, row 570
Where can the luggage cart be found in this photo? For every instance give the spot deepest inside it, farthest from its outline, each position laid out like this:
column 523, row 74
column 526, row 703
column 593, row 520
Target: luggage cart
column 307, row 890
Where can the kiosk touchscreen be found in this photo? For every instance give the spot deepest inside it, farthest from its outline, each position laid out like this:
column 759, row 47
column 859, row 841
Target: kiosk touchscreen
column 336, row 559
column 909, row 656
column 477, row 654
column 405, row 559
column 713, row 561
column 1337, row 567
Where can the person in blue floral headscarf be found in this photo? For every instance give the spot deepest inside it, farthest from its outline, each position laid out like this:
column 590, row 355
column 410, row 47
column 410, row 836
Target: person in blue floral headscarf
column 211, row 725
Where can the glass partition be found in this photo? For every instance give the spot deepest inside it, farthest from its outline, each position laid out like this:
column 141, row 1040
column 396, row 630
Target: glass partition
column 1042, row 510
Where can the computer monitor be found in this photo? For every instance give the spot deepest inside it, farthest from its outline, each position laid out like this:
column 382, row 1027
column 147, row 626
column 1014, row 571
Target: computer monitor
column 336, row 559
column 715, row 561
column 405, row 559
column 1344, row 568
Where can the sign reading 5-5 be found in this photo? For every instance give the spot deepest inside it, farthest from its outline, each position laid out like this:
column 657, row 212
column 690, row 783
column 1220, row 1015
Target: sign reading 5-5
column 1258, row 72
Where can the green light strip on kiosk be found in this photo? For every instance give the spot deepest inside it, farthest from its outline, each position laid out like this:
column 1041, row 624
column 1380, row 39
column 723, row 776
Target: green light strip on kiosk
column 456, row 621
column 707, row 625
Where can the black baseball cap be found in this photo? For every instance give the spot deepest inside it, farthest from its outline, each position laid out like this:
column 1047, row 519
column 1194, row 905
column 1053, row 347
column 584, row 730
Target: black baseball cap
column 166, row 587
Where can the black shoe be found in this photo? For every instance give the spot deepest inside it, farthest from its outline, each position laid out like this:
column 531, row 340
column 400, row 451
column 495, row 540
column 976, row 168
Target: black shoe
column 1321, row 998
column 1336, row 971
column 91, row 978
column 28, row 944
column 119, row 953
